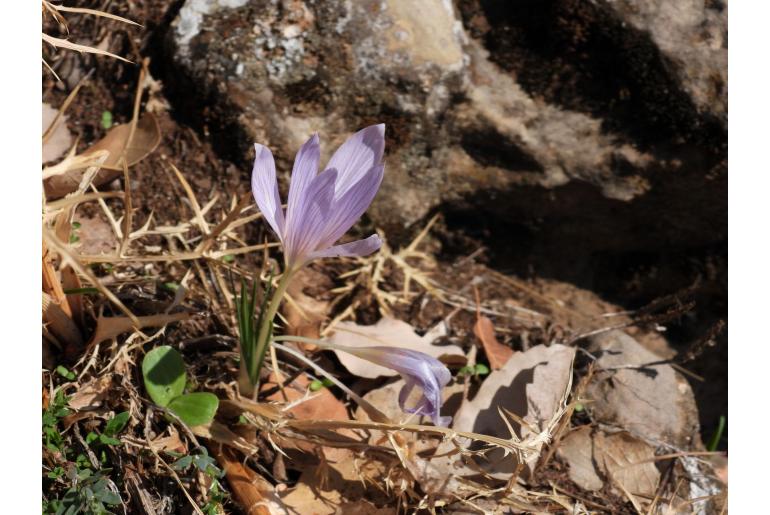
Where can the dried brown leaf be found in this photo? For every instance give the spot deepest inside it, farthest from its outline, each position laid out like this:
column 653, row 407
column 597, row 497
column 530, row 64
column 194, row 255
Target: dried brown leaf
column 576, row 449
column 221, row 434
column 145, row 139
column 497, row 353
column 629, row 462
column 110, row 327
column 252, row 492
column 61, row 325
column 304, row 499
column 388, row 332
column 306, row 405
column 91, row 394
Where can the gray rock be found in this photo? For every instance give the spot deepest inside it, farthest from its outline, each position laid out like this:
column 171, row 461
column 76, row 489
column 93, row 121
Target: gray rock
column 463, row 130
column 693, row 35
column 630, row 391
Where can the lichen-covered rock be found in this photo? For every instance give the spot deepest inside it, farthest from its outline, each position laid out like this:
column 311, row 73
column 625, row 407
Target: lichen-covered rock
column 483, row 114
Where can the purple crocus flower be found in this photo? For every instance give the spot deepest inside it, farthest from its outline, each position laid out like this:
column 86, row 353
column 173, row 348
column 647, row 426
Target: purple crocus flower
column 418, row 370
column 322, row 206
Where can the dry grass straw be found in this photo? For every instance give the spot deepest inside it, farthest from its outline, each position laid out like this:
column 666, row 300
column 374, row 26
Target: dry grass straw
column 56, row 12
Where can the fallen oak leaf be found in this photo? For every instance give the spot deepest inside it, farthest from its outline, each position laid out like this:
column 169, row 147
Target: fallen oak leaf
column 497, row 353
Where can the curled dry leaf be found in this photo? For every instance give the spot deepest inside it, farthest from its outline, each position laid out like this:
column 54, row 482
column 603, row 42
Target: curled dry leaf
column 389, row 332
column 497, row 353
column 145, row 139
column 59, row 139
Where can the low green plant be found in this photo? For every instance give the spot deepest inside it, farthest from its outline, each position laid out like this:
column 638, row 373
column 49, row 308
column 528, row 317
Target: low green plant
column 479, row 369
column 201, row 460
column 73, row 486
column 165, row 379
column 90, row 493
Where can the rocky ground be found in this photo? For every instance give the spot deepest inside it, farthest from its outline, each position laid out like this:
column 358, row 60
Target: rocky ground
column 574, row 154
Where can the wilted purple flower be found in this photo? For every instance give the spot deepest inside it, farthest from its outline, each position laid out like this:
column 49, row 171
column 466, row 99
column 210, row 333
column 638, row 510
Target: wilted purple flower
column 418, row 370
column 322, row 206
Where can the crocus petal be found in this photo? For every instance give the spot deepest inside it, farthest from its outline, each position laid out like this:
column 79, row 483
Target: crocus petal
column 312, row 216
column 355, row 248
column 349, row 208
column 418, row 370
column 304, row 171
column 354, row 158
column 264, row 187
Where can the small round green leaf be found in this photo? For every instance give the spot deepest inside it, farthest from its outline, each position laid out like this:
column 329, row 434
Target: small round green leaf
column 164, row 374
column 195, row 409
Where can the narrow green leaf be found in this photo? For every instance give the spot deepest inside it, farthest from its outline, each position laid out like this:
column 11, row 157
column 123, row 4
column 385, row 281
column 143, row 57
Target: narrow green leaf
column 108, row 440
column 717, row 436
column 164, row 374
column 116, row 424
